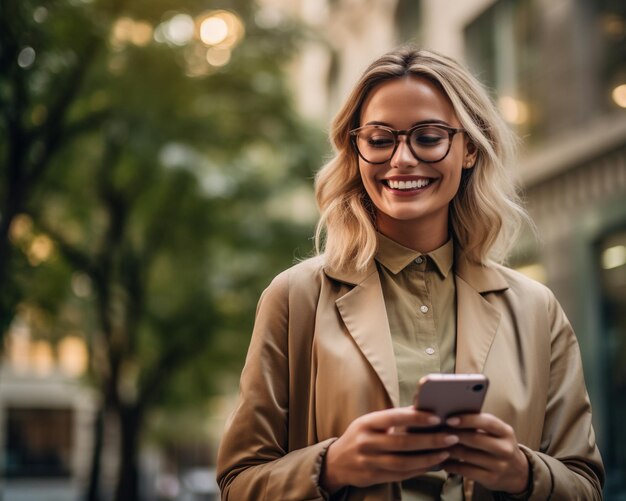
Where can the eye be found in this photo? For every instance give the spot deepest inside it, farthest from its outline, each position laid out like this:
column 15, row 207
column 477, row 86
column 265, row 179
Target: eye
column 380, row 141
column 376, row 138
column 429, row 136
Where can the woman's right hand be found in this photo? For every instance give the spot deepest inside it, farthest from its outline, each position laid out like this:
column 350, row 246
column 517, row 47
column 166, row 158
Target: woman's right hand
column 376, row 449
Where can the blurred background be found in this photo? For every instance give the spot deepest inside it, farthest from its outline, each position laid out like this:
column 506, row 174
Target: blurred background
column 156, row 164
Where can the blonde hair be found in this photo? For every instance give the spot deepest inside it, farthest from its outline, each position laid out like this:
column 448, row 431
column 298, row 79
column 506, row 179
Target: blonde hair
column 485, row 214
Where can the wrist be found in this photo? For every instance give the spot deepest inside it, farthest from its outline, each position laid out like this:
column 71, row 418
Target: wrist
column 328, row 479
column 523, row 490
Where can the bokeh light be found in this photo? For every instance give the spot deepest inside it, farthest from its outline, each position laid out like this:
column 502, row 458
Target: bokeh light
column 619, row 95
column 220, row 28
column 73, row 355
column 213, row 30
column 21, row 228
column 614, row 257
column 26, row 57
column 40, row 250
column 176, row 31
column 129, row 31
column 216, row 56
column 40, row 14
column 41, row 357
column 81, row 285
column 513, row 110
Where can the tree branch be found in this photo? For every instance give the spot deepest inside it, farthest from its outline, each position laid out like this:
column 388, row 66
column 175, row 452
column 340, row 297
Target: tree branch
column 52, row 133
column 85, row 124
column 169, row 362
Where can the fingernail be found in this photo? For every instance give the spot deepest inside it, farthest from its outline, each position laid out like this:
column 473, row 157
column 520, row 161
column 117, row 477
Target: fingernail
column 433, row 420
column 451, row 439
column 453, row 421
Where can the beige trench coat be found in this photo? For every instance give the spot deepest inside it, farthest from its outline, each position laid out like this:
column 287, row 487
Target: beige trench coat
column 321, row 355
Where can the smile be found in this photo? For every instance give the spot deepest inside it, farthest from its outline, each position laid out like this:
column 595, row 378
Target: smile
column 412, row 184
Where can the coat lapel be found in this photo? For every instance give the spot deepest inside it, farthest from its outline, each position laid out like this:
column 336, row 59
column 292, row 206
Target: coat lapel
column 362, row 310
column 477, row 318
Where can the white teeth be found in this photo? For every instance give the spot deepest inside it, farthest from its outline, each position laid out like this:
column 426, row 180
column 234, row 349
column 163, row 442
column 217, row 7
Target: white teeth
column 408, row 185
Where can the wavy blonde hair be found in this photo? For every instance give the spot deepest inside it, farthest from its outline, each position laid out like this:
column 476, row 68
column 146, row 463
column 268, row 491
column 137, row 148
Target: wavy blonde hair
column 485, row 214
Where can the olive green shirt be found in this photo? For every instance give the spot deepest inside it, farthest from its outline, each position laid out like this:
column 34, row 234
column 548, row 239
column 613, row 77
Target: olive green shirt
column 420, row 298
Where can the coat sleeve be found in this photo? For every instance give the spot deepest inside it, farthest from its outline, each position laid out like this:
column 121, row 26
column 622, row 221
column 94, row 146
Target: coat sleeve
column 568, row 465
column 254, row 459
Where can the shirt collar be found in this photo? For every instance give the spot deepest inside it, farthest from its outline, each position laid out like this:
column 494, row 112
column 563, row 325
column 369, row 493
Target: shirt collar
column 396, row 257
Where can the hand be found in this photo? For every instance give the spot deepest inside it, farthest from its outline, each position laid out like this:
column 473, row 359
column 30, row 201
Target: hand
column 373, row 450
column 487, row 453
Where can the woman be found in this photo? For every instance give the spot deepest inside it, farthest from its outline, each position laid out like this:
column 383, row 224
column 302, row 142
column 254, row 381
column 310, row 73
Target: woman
column 417, row 207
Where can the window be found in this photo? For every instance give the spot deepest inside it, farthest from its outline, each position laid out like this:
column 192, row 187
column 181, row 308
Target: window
column 611, row 256
column 553, row 65
column 610, row 18
column 501, row 48
column 408, row 20
column 39, row 442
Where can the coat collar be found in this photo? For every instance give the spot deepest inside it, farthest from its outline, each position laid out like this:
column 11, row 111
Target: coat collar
column 363, row 312
column 481, row 278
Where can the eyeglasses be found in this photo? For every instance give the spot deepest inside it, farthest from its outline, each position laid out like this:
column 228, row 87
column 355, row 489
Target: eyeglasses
column 429, row 143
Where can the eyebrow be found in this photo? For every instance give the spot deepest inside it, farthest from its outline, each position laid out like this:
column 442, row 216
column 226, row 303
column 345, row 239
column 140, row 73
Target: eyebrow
column 421, row 122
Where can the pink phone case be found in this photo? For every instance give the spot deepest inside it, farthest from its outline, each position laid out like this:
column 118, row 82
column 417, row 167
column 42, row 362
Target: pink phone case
column 448, row 394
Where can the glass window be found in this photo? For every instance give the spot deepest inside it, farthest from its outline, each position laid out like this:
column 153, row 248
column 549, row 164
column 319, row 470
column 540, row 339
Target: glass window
column 407, row 20
column 611, row 254
column 553, row 66
column 501, row 48
column 39, row 442
column 610, row 16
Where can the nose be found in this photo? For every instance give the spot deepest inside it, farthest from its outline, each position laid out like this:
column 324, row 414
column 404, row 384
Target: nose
column 403, row 156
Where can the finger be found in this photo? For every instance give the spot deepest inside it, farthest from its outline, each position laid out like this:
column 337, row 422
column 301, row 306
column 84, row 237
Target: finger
column 403, row 463
column 388, row 477
column 402, row 442
column 469, row 471
column 383, row 476
column 482, row 421
column 370, row 475
column 476, row 457
column 495, row 446
column 403, row 416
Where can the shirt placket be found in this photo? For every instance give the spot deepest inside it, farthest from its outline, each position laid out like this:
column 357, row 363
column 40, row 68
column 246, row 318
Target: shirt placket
column 426, row 334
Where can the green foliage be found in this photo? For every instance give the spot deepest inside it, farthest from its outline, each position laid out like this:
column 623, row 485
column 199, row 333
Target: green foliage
column 155, row 187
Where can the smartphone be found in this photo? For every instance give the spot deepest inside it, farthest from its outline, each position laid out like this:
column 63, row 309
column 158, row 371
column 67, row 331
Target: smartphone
column 448, row 394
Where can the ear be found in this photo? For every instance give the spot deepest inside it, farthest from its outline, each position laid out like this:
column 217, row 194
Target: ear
column 470, row 155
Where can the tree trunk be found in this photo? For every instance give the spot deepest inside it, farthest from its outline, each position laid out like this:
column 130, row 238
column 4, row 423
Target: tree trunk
column 131, row 418
column 93, row 488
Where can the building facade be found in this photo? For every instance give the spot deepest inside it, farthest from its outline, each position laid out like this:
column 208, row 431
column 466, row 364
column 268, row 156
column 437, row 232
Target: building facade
column 558, row 72
column 46, row 418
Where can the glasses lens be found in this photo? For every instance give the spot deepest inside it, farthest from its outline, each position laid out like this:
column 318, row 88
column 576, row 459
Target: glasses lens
column 430, row 143
column 375, row 144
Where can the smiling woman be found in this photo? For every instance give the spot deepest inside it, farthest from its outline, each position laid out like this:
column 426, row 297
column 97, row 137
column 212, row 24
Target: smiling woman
column 417, row 207
column 414, row 185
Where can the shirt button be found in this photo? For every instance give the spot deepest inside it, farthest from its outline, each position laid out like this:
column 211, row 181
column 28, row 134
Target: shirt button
column 424, row 308
column 419, row 260
column 429, row 351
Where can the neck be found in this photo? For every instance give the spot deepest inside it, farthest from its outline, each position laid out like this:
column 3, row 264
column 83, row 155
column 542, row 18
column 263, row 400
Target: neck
column 410, row 234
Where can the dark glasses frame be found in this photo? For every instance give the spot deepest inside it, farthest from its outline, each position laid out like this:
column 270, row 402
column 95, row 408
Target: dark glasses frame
column 396, row 133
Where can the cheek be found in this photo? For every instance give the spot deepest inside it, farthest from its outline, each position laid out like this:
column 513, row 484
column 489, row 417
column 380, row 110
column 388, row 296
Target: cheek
column 454, row 183
column 454, row 170
column 368, row 180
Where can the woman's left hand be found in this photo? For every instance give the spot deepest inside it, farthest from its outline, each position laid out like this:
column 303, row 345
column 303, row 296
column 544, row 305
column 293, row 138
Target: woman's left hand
column 488, row 453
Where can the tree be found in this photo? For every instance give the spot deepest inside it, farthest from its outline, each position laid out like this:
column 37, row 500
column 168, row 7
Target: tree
column 148, row 170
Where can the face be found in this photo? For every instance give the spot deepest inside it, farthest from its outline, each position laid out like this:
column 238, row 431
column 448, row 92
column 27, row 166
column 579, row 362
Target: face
column 410, row 195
